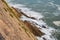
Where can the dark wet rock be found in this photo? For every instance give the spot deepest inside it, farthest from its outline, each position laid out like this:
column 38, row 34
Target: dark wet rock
column 44, row 38
column 43, row 26
column 33, row 29
column 33, row 18
column 19, row 10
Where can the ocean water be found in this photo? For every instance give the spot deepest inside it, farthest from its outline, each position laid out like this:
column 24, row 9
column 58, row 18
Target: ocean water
column 46, row 10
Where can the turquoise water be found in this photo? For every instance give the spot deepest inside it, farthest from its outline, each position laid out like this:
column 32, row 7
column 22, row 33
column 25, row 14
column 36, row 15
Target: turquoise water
column 50, row 9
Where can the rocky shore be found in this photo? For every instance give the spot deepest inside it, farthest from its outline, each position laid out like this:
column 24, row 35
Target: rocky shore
column 34, row 29
column 12, row 27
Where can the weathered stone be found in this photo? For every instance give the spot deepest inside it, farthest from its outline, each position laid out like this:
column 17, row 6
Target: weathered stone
column 33, row 29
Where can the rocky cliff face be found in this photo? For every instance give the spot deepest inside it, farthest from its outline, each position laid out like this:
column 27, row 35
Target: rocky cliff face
column 11, row 28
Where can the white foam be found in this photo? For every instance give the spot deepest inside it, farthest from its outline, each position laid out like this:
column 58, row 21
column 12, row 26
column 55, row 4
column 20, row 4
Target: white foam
column 55, row 5
column 47, row 32
column 27, row 11
column 58, row 6
column 51, row 4
column 47, row 35
column 39, row 22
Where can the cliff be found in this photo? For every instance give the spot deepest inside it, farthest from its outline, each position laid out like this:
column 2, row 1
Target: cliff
column 11, row 28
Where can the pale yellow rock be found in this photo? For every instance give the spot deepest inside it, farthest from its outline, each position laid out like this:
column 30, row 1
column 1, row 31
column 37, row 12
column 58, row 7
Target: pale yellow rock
column 57, row 23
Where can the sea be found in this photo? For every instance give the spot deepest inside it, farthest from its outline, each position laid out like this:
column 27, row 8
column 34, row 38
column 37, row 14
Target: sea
column 45, row 11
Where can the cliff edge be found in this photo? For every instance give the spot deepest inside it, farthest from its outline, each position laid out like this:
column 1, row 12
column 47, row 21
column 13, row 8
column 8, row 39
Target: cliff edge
column 11, row 28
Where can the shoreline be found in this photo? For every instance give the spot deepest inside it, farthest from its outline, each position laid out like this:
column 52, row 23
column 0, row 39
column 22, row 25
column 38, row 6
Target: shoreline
column 29, row 23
